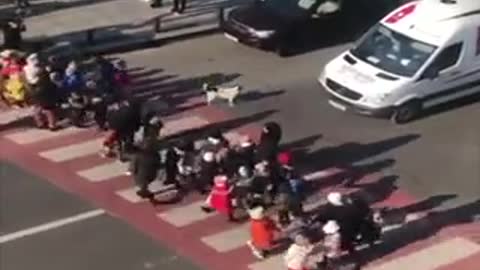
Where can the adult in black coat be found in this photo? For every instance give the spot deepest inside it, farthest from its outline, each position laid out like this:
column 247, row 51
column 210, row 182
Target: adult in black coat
column 46, row 99
column 125, row 121
column 348, row 213
column 145, row 167
column 172, row 158
column 269, row 142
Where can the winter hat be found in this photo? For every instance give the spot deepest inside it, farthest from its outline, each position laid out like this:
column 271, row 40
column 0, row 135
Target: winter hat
column 72, row 68
column 243, row 171
column 209, row 157
column 335, row 198
column 120, row 65
column 256, row 213
column 220, row 181
column 91, row 84
column 284, row 158
column 246, row 142
column 331, row 227
column 155, row 120
column 6, row 53
column 33, row 59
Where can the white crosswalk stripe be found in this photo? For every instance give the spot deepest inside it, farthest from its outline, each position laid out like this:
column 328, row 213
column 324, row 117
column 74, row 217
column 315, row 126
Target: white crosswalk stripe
column 433, row 257
column 183, row 124
column 73, row 151
column 104, row 172
column 185, row 215
column 10, row 116
column 130, row 194
column 273, row 262
column 34, row 135
column 228, row 240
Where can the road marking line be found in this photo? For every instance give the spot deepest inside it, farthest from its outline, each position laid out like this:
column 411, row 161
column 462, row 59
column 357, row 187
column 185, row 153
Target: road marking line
column 105, row 171
column 185, row 215
column 434, row 256
column 34, row 135
column 183, row 124
column 50, row 225
column 228, row 240
column 130, row 194
column 10, row 116
column 73, row 151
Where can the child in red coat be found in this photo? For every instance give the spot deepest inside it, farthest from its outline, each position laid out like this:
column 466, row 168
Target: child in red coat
column 262, row 232
column 220, row 198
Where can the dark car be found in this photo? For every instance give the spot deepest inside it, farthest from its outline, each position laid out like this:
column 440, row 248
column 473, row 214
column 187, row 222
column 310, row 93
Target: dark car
column 275, row 24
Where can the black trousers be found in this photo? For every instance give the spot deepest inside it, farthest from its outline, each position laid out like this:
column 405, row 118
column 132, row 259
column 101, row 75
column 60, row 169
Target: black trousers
column 179, row 5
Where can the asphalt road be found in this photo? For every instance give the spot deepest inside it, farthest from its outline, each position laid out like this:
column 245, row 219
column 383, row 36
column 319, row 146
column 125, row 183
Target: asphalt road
column 436, row 155
column 100, row 242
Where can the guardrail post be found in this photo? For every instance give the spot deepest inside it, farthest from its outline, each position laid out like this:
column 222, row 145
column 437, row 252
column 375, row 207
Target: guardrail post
column 221, row 15
column 91, row 36
column 157, row 25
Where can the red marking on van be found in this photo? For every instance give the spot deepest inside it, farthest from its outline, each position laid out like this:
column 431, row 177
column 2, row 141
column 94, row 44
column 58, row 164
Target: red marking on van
column 404, row 12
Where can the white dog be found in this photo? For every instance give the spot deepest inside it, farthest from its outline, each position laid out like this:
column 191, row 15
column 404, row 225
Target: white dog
column 226, row 93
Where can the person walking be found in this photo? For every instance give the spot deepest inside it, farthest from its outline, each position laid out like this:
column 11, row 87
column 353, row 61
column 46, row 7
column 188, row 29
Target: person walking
column 179, row 6
column 263, row 232
column 12, row 33
column 220, row 198
column 145, row 168
column 298, row 253
column 332, row 243
column 45, row 98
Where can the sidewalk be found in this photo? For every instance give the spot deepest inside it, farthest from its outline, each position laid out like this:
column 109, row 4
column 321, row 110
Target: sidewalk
column 117, row 24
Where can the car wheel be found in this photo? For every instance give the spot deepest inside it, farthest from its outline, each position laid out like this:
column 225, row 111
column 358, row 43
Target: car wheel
column 406, row 112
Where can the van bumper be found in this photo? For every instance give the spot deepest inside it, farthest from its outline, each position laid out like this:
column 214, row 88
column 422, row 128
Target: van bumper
column 383, row 112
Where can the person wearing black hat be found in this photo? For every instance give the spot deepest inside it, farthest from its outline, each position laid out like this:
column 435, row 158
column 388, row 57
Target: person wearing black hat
column 12, row 29
column 269, row 142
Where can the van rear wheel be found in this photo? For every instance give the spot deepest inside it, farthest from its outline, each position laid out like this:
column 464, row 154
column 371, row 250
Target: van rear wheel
column 406, row 112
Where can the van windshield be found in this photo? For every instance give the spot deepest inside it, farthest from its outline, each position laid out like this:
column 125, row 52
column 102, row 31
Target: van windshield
column 392, row 51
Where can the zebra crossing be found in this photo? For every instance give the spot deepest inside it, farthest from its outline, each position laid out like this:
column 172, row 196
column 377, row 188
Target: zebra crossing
column 226, row 239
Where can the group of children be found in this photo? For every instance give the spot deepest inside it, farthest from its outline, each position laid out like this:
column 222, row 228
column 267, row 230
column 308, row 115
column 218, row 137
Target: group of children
column 258, row 182
column 55, row 87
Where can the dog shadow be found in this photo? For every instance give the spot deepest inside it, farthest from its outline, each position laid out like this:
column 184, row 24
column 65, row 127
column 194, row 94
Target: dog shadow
column 255, row 95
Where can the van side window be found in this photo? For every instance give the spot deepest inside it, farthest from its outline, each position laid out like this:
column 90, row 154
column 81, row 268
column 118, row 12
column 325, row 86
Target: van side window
column 448, row 57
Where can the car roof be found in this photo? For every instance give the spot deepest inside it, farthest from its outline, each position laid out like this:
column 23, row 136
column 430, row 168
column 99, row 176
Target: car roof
column 434, row 21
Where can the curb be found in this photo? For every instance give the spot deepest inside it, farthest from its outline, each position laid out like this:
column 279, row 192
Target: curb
column 133, row 45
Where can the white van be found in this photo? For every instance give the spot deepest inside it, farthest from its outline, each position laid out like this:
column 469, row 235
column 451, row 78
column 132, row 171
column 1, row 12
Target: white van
column 422, row 54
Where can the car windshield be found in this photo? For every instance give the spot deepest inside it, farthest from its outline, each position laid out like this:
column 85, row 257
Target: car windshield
column 393, row 52
column 290, row 8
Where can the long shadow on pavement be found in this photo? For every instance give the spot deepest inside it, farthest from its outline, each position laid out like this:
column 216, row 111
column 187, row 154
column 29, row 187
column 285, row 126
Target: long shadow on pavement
column 421, row 229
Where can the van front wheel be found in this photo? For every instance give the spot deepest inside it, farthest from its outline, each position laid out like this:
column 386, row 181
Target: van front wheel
column 406, row 112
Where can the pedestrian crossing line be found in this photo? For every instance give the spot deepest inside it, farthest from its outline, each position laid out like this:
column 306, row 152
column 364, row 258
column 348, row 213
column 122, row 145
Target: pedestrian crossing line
column 185, row 215
column 318, row 175
column 228, row 240
column 35, row 135
column 104, row 172
column 273, row 262
column 469, row 263
column 73, row 151
column 182, row 124
column 9, row 116
column 130, row 194
column 434, row 256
